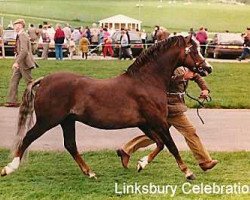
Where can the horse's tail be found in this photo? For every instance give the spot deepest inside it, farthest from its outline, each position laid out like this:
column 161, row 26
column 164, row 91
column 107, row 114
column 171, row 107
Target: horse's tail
column 25, row 116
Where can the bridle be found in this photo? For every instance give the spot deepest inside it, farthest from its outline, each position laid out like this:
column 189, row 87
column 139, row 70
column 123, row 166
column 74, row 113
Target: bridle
column 197, row 65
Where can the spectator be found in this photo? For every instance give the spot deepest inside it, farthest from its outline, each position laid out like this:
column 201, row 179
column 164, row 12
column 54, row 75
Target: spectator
column 100, row 39
column 143, row 36
column 84, row 46
column 124, row 50
column 59, row 40
column 46, row 41
column 157, row 28
column 246, row 49
column 67, row 32
column 192, row 32
column 201, row 36
column 162, row 34
column 129, row 45
column 107, row 43
column 88, row 33
column 100, row 36
column 94, row 36
column 76, row 35
column 40, row 30
column 24, row 63
column 72, row 48
column 51, row 32
column 34, row 35
column 247, row 33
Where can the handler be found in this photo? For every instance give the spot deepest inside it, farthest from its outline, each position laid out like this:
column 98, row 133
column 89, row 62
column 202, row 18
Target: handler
column 23, row 64
column 177, row 118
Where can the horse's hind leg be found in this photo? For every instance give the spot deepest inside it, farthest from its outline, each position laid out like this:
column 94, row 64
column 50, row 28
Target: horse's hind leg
column 143, row 162
column 35, row 132
column 68, row 126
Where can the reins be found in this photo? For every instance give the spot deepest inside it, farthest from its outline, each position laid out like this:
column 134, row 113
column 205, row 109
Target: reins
column 201, row 104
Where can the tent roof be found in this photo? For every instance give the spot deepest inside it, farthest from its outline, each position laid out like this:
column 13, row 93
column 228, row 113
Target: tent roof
column 120, row 19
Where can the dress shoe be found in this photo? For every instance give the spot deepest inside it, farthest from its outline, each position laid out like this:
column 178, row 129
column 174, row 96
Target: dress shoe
column 124, row 157
column 9, row 104
column 208, row 165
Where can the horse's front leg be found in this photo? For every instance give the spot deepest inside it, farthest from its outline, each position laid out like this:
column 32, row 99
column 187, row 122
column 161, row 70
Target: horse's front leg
column 143, row 162
column 164, row 134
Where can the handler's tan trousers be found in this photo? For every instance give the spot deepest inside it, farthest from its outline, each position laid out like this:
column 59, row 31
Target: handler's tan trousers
column 15, row 79
column 185, row 127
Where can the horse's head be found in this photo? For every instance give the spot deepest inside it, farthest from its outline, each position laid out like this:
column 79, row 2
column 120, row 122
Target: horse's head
column 192, row 58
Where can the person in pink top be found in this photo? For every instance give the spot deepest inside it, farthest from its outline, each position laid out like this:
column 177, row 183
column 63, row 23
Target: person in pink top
column 107, row 43
column 201, row 36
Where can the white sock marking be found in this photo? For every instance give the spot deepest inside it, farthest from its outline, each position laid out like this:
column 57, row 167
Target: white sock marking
column 13, row 166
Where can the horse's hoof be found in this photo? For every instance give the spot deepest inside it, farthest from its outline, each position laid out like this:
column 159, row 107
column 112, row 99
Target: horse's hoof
column 191, row 177
column 3, row 172
column 139, row 167
column 92, row 175
column 142, row 163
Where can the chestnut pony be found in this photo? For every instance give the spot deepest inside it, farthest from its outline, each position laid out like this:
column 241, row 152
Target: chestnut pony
column 136, row 98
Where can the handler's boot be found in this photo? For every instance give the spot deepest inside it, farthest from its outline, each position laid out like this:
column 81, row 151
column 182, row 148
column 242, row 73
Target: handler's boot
column 124, row 157
column 208, row 165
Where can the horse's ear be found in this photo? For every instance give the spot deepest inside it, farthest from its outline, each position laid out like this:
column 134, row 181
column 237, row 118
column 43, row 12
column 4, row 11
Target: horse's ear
column 188, row 39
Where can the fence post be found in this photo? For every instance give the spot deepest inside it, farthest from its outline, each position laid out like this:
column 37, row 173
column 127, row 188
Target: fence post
column 3, row 50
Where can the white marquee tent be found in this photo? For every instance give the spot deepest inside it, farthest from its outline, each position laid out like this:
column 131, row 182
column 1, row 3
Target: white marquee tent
column 120, row 21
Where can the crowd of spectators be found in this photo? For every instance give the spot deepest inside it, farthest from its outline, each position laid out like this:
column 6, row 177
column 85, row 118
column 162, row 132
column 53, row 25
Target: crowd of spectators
column 84, row 40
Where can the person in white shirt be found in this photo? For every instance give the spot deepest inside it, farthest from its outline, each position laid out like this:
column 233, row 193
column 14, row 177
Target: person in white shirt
column 124, row 51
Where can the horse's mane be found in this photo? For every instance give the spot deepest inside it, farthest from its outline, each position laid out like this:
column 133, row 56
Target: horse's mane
column 154, row 51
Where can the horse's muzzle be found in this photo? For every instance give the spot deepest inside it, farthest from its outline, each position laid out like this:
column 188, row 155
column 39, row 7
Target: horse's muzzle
column 205, row 69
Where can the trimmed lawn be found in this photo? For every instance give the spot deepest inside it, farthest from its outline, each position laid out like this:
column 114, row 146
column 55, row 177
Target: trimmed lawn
column 228, row 83
column 54, row 175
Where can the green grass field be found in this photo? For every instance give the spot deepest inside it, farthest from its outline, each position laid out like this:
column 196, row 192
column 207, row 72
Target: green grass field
column 54, row 175
column 176, row 17
column 228, row 83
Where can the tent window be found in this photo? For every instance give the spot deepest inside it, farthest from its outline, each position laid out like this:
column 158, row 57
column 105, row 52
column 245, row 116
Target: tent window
column 123, row 25
column 117, row 26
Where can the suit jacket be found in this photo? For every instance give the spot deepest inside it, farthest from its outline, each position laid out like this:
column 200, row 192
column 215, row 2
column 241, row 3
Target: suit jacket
column 24, row 55
column 177, row 88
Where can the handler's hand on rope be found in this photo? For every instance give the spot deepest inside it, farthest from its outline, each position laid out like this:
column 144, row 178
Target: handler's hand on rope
column 204, row 94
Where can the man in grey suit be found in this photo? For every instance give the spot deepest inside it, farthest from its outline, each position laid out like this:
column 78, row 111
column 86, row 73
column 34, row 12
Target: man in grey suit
column 23, row 64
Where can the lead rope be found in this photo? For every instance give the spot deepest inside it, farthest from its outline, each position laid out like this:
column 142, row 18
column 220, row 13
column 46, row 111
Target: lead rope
column 200, row 104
